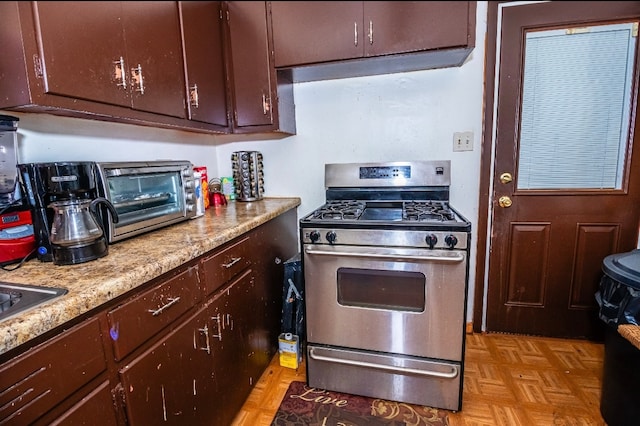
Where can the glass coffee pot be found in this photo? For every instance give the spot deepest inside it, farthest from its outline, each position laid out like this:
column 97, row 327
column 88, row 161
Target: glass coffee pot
column 76, row 233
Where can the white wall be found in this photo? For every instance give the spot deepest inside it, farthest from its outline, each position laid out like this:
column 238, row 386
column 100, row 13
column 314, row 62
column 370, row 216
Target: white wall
column 393, row 117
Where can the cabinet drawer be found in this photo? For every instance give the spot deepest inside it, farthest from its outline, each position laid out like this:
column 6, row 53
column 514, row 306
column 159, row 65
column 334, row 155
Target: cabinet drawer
column 34, row 383
column 225, row 264
column 137, row 320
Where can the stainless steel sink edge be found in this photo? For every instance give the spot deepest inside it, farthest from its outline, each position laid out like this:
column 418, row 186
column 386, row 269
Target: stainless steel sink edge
column 16, row 299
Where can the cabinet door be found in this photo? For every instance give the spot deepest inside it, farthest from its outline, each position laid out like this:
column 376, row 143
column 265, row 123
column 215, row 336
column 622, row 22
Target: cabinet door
column 232, row 313
column 411, row 26
column 154, row 57
column 36, row 382
column 306, row 32
column 82, row 51
column 204, row 60
column 252, row 71
column 120, row 53
column 171, row 383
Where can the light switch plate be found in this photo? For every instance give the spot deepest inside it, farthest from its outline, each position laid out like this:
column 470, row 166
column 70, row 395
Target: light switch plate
column 463, row 141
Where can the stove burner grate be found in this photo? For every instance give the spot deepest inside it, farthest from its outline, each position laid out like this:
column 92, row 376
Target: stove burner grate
column 343, row 209
column 427, row 211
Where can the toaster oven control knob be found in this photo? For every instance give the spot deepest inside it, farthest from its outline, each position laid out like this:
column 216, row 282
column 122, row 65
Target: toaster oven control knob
column 331, row 237
column 314, row 236
column 431, row 240
column 450, row 241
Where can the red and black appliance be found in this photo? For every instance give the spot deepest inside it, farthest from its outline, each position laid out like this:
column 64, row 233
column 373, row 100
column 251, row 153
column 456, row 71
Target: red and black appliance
column 17, row 241
column 386, row 270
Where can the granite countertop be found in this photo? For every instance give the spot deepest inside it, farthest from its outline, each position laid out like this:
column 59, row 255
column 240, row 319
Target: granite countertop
column 130, row 263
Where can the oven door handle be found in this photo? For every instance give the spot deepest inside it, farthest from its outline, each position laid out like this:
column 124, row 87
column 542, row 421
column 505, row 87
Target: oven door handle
column 453, row 259
column 454, row 370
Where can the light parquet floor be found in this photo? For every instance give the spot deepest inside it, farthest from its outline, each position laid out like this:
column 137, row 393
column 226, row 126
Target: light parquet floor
column 509, row 380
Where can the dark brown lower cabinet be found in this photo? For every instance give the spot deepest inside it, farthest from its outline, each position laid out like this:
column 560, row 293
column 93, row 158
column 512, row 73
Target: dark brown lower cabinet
column 169, row 383
column 202, row 372
column 204, row 334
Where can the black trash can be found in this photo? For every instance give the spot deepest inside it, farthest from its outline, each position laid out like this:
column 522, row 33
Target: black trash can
column 619, row 301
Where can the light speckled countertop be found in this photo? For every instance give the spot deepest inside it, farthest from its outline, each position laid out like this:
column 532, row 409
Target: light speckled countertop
column 129, row 264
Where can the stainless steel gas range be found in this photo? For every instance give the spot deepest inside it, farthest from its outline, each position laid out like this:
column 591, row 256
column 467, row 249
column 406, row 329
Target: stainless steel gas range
column 386, row 270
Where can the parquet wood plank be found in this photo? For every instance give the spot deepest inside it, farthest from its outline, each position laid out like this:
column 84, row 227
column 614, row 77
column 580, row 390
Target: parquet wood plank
column 509, row 380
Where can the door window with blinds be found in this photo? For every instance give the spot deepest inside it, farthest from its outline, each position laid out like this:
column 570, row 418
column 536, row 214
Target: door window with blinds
column 576, row 107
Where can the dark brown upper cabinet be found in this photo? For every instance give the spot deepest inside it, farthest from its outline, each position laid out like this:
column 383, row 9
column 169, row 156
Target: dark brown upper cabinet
column 262, row 98
column 202, row 34
column 322, row 40
column 115, row 61
column 121, row 53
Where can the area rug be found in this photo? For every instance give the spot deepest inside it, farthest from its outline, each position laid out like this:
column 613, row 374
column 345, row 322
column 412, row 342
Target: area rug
column 306, row 406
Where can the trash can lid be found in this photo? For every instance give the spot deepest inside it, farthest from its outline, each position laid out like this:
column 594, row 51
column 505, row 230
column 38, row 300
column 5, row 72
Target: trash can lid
column 624, row 268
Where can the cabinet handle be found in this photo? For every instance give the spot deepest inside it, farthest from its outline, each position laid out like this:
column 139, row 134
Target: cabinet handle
column 370, row 32
column 217, row 320
column 355, row 33
column 136, row 77
column 266, row 104
column 172, row 301
column 229, row 322
column 204, row 330
column 118, row 73
column 193, row 95
column 234, row 260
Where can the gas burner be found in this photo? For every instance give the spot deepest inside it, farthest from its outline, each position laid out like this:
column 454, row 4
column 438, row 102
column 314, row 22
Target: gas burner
column 340, row 210
column 427, row 211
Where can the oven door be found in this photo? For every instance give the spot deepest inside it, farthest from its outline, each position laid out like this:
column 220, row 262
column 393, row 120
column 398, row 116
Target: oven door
column 393, row 300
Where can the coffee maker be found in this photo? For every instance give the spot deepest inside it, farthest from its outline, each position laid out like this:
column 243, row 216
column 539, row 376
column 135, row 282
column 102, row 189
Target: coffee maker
column 63, row 198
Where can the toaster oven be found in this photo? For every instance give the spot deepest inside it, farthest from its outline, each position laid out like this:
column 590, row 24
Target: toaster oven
column 146, row 195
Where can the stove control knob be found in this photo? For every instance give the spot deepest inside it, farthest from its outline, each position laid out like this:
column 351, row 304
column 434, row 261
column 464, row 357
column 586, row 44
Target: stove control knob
column 331, row 237
column 314, row 236
column 431, row 240
column 450, row 241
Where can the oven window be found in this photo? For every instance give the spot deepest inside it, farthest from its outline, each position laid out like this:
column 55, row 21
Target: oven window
column 392, row 290
column 145, row 196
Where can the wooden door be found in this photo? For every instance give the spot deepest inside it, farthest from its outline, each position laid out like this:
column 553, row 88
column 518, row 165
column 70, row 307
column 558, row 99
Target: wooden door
column 204, row 60
column 82, row 50
column 411, row 26
column 306, row 32
column 550, row 229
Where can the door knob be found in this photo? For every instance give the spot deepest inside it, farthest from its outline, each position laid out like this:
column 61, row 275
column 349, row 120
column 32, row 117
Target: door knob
column 505, row 201
column 506, row 178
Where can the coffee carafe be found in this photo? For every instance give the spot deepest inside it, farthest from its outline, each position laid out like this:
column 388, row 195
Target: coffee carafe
column 76, row 232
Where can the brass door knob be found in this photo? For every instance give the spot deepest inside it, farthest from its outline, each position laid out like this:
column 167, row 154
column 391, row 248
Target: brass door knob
column 506, row 177
column 505, row 201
